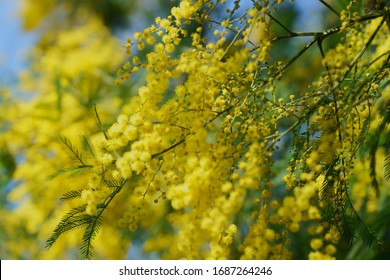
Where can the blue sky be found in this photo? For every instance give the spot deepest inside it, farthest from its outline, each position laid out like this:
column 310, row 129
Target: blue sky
column 14, row 43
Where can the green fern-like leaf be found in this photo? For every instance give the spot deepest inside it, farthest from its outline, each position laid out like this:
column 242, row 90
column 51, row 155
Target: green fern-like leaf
column 86, row 248
column 363, row 231
column 339, row 211
column 386, row 146
column 374, row 147
column 74, row 171
column 73, row 219
column 71, row 195
column 59, row 173
column 345, row 226
column 87, row 146
column 298, row 144
column 74, row 154
column 387, row 163
column 374, row 181
column 80, row 169
column 327, row 188
column 112, row 183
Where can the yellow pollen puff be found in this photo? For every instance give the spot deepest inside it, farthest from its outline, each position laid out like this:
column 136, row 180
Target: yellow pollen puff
column 269, row 234
column 105, row 159
column 138, row 35
column 227, row 187
column 252, row 12
column 316, row 244
column 169, row 48
column 136, row 120
column 136, row 60
column 266, row 194
column 122, row 119
column 294, row 227
column 232, row 229
column 130, row 132
column 330, row 249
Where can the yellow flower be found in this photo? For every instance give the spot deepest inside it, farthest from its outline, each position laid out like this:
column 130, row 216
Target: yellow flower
column 316, row 244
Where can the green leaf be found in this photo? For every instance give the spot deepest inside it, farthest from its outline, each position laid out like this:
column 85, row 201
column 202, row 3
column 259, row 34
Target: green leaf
column 87, row 146
column 80, row 169
column 71, row 194
column 86, row 248
column 387, row 164
column 73, row 219
column 73, row 171
column 74, row 154
column 59, row 173
column 374, row 147
column 363, row 231
column 7, row 164
column 386, row 146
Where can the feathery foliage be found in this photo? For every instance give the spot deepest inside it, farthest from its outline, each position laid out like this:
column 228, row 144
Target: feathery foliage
column 73, row 219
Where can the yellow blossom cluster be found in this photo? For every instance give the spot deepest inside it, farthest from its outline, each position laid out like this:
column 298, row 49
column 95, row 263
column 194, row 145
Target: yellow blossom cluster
column 70, row 73
column 186, row 149
column 199, row 152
